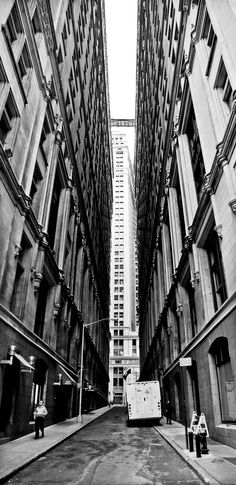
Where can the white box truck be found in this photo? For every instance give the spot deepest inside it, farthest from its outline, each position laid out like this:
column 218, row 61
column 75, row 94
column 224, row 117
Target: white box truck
column 143, row 400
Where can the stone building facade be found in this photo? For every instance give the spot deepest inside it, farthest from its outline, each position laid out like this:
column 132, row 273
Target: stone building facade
column 55, row 209
column 186, row 204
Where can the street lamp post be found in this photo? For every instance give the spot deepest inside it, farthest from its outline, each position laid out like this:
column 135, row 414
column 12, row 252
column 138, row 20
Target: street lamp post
column 79, row 416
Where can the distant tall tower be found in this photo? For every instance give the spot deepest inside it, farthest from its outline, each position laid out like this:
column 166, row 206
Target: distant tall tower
column 124, row 345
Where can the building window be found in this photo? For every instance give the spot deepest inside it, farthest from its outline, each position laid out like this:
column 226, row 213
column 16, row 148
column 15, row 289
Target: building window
column 216, row 270
column 24, row 63
column 8, row 119
column 209, row 35
column 21, row 278
column 118, row 371
column 195, row 152
column 54, row 211
column 118, row 347
column 36, row 22
column 14, row 24
column 64, row 38
column 190, row 302
column 36, row 189
column 224, row 379
column 223, row 84
column 41, row 308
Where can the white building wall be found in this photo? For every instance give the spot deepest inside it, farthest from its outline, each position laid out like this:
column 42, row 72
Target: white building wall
column 123, row 353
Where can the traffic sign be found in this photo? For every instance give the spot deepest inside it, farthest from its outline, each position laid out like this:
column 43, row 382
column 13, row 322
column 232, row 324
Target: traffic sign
column 185, row 361
column 202, row 426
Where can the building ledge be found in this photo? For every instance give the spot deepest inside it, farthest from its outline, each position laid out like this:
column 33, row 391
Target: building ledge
column 226, row 426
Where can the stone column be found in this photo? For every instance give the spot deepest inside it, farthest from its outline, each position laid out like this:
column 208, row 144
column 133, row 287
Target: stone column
column 155, row 297
column 73, row 254
column 160, row 278
column 179, row 311
column 79, row 283
column 174, row 226
column 64, row 223
column 13, row 249
column 187, row 185
column 167, row 262
column 55, row 144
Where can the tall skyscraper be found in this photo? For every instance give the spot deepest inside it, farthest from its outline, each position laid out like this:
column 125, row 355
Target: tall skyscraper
column 124, row 346
column 186, row 206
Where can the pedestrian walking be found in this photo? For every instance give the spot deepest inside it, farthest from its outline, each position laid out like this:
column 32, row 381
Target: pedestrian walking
column 39, row 415
column 168, row 412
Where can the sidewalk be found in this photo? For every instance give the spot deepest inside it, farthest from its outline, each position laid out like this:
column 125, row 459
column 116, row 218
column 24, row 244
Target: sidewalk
column 217, row 467
column 16, row 454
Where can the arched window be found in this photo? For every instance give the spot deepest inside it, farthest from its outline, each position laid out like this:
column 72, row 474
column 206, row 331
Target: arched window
column 225, row 379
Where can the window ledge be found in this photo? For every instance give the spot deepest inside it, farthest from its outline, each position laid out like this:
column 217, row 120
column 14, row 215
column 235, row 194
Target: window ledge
column 227, row 426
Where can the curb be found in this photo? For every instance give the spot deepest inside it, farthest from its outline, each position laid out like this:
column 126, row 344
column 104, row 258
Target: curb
column 39, row 454
column 203, row 475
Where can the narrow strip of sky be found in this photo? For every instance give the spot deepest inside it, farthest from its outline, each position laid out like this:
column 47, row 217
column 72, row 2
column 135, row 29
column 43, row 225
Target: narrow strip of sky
column 121, row 28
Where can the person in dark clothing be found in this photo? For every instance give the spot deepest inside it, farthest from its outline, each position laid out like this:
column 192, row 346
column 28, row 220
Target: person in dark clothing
column 168, row 412
column 39, row 416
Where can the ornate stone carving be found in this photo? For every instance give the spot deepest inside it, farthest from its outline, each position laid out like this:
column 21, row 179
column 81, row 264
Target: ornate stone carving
column 192, row 281
column 46, row 24
column 56, row 311
column 66, row 324
column 197, row 276
column 232, row 205
column 195, row 279
column 218, row 230
column 167, row 183
column 207, row 186
column 179, row 309
column 58, row 123
column 161, row 216
column 33, row 272
column 37, row 281
column 17, row 251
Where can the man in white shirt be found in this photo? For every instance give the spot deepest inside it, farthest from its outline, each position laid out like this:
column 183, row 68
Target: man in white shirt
column 39, row 416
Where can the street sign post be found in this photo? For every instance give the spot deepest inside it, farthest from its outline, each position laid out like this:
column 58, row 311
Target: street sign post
column 185, row 362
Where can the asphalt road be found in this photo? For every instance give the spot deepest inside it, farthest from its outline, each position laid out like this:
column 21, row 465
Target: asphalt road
column 108, row 452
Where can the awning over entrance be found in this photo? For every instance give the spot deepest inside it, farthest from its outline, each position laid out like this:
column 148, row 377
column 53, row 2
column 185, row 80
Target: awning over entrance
column 69, row 380
column 23, row 361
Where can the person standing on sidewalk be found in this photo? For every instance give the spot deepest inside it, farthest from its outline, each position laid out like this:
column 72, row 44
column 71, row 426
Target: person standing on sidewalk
column 168, row 412
column 39, row 415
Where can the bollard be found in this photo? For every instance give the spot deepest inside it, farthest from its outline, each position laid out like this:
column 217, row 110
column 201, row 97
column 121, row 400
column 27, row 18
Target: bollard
column 190, row 438
column 203, row 440
column 198, row 447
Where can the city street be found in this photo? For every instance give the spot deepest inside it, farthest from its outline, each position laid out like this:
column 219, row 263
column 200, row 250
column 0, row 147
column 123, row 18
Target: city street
column 108, row 452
